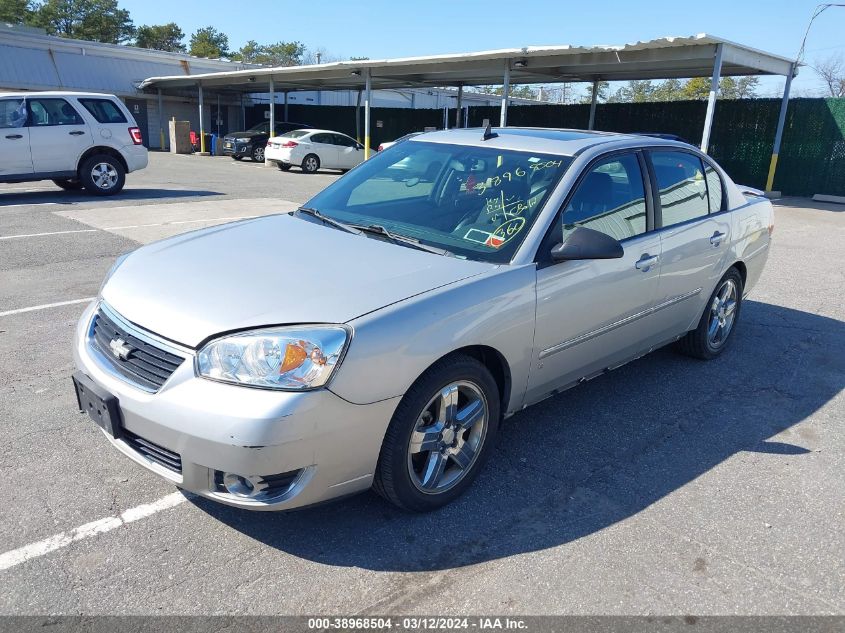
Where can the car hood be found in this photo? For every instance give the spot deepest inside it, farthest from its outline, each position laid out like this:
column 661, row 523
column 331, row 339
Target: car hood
column 271, row 270
column 245, row 134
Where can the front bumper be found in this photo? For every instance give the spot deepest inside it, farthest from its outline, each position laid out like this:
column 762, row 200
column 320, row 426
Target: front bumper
column 233, row 148
column 217, row 428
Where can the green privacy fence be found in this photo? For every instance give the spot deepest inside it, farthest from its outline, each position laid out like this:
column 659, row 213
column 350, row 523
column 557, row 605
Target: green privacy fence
column 812, row 158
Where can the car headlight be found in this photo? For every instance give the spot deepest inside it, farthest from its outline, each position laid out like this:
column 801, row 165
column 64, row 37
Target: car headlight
column 242, row 139
column 114, row 267
column 293, row 358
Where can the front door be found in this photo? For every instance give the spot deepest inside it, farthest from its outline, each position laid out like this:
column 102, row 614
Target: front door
column 594, row 314
column 694, row 237
column 58, row 134
column 348, row 153
column 15, row 156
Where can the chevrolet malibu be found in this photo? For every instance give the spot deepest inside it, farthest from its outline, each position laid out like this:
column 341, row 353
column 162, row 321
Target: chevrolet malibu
column 378, row 336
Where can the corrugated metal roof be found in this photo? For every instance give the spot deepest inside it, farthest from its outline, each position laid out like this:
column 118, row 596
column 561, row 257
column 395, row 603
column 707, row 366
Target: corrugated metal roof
column 662, row 58
column 34, row 61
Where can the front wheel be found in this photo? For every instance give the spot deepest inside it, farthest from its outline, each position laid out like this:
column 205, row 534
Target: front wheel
column 442, row 432
column 717, row 323
column 258, row 154
column 310, row 164
column 68, row 184
column 102, row 175
column 284, row 166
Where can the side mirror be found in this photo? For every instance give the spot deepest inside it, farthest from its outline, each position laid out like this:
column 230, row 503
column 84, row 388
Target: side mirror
column 584, row 243
column 358, row 146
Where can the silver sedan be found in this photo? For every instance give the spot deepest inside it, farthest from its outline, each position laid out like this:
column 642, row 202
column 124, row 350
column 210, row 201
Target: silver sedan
column 378, row 336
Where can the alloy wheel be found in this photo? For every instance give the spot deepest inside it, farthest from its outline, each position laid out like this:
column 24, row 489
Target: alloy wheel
column 722, row 314
column 448, row 437
column 104, row 175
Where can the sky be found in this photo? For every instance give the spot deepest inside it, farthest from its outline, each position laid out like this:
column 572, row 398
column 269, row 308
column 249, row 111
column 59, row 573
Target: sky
column 400, row 28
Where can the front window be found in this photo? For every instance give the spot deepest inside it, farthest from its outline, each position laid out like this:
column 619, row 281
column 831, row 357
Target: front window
column 476, row 202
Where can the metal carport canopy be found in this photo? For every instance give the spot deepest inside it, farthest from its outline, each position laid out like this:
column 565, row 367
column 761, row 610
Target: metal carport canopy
column 670, row 57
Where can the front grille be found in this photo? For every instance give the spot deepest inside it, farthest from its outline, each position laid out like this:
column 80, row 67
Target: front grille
column 146, row 365
column 153, row 452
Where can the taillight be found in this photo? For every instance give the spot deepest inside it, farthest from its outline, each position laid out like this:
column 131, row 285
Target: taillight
column 135, row 134
column 290, row 144
column 380, row 147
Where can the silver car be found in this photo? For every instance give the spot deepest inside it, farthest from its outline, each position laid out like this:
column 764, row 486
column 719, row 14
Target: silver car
column 378, row 336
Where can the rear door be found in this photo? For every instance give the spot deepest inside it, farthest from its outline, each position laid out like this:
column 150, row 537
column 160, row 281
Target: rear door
column 694, row 236
column 109, row 122
column 15, row 155
column 323, row 145
column 58, row 134
column 347, row 150
column 593, row 314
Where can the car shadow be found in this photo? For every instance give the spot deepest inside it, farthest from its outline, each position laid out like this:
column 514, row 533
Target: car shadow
column 60, row 196
column 592, row 456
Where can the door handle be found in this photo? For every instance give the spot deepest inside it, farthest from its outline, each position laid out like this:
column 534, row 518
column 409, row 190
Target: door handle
column 76, row 133
column 14, row 136
column 716, row 238
column 646, row 262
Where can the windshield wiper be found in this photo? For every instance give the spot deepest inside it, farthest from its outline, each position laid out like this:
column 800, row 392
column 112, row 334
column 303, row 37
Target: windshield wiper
column 329, row 220
column 378, row 229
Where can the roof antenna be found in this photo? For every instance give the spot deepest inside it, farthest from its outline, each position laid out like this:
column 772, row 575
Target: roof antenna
column 488, row 131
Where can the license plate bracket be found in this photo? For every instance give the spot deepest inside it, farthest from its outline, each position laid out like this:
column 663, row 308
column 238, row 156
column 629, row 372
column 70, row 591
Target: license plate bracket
column 101, row 406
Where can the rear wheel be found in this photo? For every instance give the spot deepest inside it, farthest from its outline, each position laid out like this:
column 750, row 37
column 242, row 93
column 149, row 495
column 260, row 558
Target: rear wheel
column 258, row 154
column 717, row 323
column 441, row 434
column 102, row 175
column 68, row 184
column 310, row 164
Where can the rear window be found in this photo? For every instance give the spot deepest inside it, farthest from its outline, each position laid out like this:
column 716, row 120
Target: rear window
column 104, row 110
column 295, row 134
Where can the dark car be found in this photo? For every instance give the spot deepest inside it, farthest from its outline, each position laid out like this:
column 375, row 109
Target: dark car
column 252, row 141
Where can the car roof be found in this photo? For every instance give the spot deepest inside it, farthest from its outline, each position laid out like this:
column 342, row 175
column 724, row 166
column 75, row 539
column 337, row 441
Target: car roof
column 566, row 142
column 58, row 93
column 318, row 131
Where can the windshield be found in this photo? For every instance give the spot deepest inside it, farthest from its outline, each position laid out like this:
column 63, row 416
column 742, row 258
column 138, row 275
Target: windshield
column 260, row 127
column 476, row 202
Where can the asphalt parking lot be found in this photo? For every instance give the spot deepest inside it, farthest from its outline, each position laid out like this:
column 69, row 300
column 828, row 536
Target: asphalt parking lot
column 670, row 486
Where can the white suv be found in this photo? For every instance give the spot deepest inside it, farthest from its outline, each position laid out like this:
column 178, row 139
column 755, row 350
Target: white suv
column 75, row 139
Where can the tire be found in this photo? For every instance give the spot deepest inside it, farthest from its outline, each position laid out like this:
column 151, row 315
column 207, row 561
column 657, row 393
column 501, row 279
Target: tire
column 69, row 184
column 257, row 154
column 310, row 164
column 718, row 321
column 284, row 166
column 428, row 478
column 102, row 175
column 237, row 157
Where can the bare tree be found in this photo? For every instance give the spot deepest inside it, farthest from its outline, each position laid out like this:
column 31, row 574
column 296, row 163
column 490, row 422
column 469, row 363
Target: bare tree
column 832, row 72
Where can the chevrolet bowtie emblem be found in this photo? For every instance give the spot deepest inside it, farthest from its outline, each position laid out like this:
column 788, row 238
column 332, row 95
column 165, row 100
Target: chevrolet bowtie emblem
column 119, row 348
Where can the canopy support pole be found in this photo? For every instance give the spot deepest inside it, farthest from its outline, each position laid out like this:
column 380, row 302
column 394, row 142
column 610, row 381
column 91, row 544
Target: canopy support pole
column 459, row 113
column 272, row 108
column 202, row 127
column 784, row 104
column 367, row 98
column 506, row 88
column 160, row 120
column 286, row 106
column 711, row 99
column 594, row 95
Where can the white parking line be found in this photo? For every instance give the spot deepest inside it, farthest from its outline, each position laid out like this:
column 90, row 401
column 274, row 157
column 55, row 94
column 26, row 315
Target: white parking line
column 101, row 526
column 44, row 306
column 130, row 226
column 12, row 237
